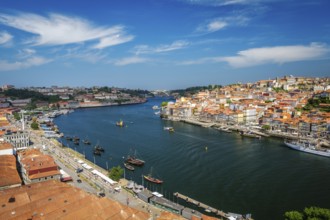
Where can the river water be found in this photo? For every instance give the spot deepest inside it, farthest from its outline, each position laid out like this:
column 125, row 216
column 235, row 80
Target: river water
column 234, row 174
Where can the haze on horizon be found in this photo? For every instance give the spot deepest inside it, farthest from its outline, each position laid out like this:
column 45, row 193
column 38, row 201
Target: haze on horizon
column 161, row 44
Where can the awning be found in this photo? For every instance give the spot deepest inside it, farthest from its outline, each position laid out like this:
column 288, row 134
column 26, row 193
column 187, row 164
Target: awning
column 104, row 177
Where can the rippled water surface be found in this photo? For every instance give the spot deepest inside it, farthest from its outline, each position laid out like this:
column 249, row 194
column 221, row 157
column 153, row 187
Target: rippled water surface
column 234, row 174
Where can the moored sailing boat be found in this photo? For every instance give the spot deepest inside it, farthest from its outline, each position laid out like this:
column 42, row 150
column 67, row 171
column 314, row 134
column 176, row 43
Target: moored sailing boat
column 152, row 179
column 133, row 160
column 129, row 167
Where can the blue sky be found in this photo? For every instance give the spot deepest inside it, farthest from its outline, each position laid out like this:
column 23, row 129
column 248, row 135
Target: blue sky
column 161, row 44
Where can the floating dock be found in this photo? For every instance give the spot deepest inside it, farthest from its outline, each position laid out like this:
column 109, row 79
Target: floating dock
column 204, row 206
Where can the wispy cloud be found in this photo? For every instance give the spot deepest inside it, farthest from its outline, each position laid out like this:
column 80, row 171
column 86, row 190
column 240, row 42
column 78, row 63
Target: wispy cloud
column 26, row 53
column 212, row 26
column 57, row 29
column 113, row 40
column 220, row 23
column 217, row 3
column 145, row 49
column 81, row 53
column 5, row 37
column 130, row 60
column 32, row 61
column 264, row 55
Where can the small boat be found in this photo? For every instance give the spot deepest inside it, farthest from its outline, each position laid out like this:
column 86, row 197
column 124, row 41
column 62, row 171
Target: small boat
column 135, row 161
column 97, row 152
column 120, row 123
column 170, row 129
column 76, row 138
column 155, row 107
column 87, row 142
column 68, row 138
column 76, row 142
column 225, row 129
column 152, row 179
column 99, row 148
column 129, row 167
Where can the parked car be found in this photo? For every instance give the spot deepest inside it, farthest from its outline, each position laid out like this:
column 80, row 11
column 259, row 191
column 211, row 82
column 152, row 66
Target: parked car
column 79, row 170
column 101, row 194
column 79, row 180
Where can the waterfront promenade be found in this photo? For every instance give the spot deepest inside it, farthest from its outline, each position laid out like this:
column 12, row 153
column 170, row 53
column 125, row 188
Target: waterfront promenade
column 245, row 128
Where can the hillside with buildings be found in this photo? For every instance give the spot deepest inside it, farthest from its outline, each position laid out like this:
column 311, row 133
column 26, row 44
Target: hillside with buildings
column 289, row 105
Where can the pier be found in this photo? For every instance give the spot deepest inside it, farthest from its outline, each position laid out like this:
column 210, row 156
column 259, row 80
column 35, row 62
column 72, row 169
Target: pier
column 194, row 122
column 208, row 208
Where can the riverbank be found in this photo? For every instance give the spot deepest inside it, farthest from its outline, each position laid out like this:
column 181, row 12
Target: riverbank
column 265, row 133
column 108, row 104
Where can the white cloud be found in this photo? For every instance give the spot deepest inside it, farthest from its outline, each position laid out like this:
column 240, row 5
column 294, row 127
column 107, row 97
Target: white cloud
column 32, row 61
column 5, row 37
column 220, row 23
column 279, row 55
column 212, row 26
column 59, row 29
column 113, row 40
column 145, row 49
column 130, row 60
column 265, row 55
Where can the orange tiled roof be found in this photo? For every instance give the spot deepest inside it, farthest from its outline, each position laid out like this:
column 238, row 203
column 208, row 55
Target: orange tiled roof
column 56, row 200
column 8, row 171
column 5, row 146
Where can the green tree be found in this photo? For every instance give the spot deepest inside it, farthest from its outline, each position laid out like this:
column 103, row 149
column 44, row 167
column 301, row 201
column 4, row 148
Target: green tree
column 17, row 116
column 293, row 215
column 317, row 213
column 30, row 106
column 312, row 213
column 34, row 125
column 266, row 127
column 164, row 104
column 116, row 173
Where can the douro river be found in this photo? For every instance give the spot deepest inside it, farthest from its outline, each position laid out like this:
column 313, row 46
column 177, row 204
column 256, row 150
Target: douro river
column 223, row 170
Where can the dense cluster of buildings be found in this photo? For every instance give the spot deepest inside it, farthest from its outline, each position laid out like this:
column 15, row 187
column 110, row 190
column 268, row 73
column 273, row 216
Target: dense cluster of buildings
column 277, row 103
column 73, row 97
